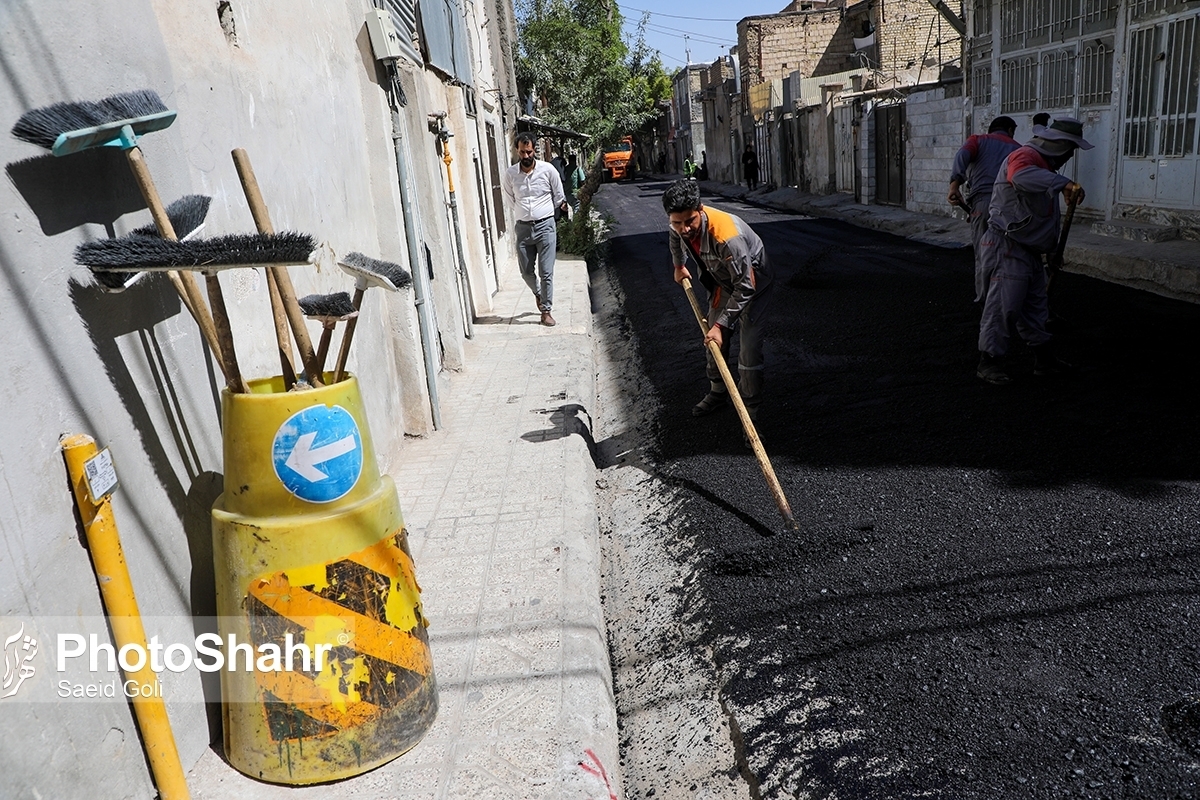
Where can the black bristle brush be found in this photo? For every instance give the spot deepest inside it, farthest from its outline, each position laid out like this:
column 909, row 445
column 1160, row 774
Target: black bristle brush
column 135, row 253
column 367, row 272
column 329, row 310
column 187, row 216
column 119, row 121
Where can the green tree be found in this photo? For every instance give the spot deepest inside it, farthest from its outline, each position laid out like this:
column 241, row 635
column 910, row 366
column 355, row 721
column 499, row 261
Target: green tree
column 572, row 58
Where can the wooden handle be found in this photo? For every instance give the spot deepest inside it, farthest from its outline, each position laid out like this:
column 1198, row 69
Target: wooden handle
column 282, row 342
column 216, row 299
column 184, row 282
column 1060, row 250
column 323, row 347
column 760, row 453
column 283, row 281
column 347, row 337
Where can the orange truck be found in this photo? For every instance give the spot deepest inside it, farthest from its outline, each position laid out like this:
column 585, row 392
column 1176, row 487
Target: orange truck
column 619, row 161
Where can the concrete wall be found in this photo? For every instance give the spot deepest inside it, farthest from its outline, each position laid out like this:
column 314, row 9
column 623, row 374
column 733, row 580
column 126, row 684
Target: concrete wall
column 936, row 130
column 299, row 89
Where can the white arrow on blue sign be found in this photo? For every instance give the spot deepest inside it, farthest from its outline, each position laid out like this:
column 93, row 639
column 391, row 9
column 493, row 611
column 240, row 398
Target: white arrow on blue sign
column 318, row 453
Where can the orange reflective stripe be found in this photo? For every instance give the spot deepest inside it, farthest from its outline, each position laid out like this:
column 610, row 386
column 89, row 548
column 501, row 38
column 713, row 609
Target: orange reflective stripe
column 373, row 638
column 299, row 691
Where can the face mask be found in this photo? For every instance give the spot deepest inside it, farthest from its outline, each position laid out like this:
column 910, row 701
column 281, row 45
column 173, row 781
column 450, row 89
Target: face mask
column 527, row 162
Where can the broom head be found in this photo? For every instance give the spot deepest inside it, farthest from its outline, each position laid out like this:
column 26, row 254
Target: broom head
column 137, row 253
column 66, row 128
column 373, row 272
column 328, row 308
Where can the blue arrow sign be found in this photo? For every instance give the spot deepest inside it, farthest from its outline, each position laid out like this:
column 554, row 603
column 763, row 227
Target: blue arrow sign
column 318, row 453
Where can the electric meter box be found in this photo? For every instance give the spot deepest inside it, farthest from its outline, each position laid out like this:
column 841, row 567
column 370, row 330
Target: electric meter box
column 384, row 39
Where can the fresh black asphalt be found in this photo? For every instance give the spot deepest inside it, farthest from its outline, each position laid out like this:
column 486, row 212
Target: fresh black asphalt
column 994, row 590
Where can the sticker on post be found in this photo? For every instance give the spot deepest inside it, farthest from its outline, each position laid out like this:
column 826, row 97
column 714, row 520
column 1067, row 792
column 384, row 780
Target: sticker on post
column 100, row 475
column 318, row 453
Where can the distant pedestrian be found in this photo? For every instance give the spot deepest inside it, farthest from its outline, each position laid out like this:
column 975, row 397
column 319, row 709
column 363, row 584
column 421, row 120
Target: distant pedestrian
column 702, row 173
column 731, row 261
column 976, row 164
column 750, row 167
column 1025, row 224
column 534, row 190
column 575, row 180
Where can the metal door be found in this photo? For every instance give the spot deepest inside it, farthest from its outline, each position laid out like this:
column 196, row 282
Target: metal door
column 843, row 116
column 1160, row 159
column 889, row 155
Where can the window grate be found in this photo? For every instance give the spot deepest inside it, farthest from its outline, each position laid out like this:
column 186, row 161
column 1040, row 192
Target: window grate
column 1018, row 84
column 1096, row 73
column 1182, row 74
column 1146, row 8
column 1139, row 102
column 1058, row 78
column 979, row 51
column 981, row 18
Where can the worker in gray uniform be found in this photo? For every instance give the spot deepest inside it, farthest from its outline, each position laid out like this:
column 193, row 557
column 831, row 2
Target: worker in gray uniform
column 1024, row 224
column 733, row 266
column 976, row 165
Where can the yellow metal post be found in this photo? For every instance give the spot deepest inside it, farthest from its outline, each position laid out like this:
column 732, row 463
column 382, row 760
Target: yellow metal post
column 116, row 589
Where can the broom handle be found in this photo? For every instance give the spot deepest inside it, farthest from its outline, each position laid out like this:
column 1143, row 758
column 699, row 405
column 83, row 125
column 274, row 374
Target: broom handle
column 347, row 337
column 216, row 299
column 1060, row 251
column 183, row 282
column 287, row 294
column 282, row 343
column 323, row 347
column 756, row 445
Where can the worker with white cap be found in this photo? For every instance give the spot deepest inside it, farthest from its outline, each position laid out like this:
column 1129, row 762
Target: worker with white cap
column 1024, row 224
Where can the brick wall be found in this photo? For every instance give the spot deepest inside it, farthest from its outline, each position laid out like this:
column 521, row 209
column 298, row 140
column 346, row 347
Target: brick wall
column 911, row 33
column 936, row 129
column 775, row 46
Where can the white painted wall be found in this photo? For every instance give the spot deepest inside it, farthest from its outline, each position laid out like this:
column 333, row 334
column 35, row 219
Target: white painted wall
column 301, row 92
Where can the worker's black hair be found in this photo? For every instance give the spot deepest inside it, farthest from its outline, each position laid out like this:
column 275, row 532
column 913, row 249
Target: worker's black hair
column 1041, row 118
column 681, row 196
column 524, row 136
column 1005, row 124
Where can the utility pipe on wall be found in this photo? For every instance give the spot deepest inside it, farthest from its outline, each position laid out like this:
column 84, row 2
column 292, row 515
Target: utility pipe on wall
column 421, row 289
column 439, row 126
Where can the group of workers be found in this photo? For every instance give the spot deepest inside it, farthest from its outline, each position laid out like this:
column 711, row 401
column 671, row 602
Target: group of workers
column 1009, row 190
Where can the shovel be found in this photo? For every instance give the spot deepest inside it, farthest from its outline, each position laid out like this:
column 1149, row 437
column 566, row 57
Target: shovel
column 756, row 445
column 1055, row 262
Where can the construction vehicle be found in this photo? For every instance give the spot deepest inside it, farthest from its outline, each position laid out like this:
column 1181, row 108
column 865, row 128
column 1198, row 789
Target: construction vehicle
column 620, row 160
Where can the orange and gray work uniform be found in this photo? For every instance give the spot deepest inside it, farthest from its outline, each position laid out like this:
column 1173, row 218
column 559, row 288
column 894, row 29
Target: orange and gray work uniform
column 730, row 253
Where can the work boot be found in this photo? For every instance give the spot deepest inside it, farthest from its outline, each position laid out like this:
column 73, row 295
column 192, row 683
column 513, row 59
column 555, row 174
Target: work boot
column 992, row 370
column 711, row 402
column 1046, row 364
column 548, row 320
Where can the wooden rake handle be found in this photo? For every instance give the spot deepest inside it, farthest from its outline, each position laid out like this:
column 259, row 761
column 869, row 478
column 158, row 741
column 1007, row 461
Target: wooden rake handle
column 1060, row 250
column 282, row 281
column 756, row 445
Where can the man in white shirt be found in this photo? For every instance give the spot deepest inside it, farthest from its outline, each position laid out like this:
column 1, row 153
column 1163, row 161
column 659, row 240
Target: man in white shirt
column 535, row 190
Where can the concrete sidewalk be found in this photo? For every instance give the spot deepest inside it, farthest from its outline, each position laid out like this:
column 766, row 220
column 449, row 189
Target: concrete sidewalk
column 501, row 514
column 1169, row 268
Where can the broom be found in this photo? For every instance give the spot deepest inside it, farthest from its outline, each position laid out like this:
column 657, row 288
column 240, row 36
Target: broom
column 134, row 253
column 187, row 219
column 118, row 121
column 367, row 272
column 329, row 310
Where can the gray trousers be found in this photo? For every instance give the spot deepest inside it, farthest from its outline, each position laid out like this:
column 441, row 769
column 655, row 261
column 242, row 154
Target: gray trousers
column 536, row 243
column 979, row 224
column 750, row 327
column 1016, row 296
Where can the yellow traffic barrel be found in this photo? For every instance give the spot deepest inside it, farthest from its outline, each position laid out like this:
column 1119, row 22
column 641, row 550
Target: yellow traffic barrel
column 327, row 670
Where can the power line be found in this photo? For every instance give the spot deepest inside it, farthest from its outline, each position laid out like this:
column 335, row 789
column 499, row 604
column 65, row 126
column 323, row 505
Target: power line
column 680, row 33
column 677, row 16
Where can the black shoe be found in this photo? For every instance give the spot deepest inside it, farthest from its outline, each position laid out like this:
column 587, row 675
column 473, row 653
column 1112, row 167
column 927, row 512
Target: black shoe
column 711, row 402
column 992, row 370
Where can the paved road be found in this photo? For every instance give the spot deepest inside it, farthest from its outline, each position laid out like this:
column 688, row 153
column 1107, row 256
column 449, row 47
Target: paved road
column 995, row 589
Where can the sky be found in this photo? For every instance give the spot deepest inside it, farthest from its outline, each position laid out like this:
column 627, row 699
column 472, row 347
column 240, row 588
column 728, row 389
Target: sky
column 711, row 26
